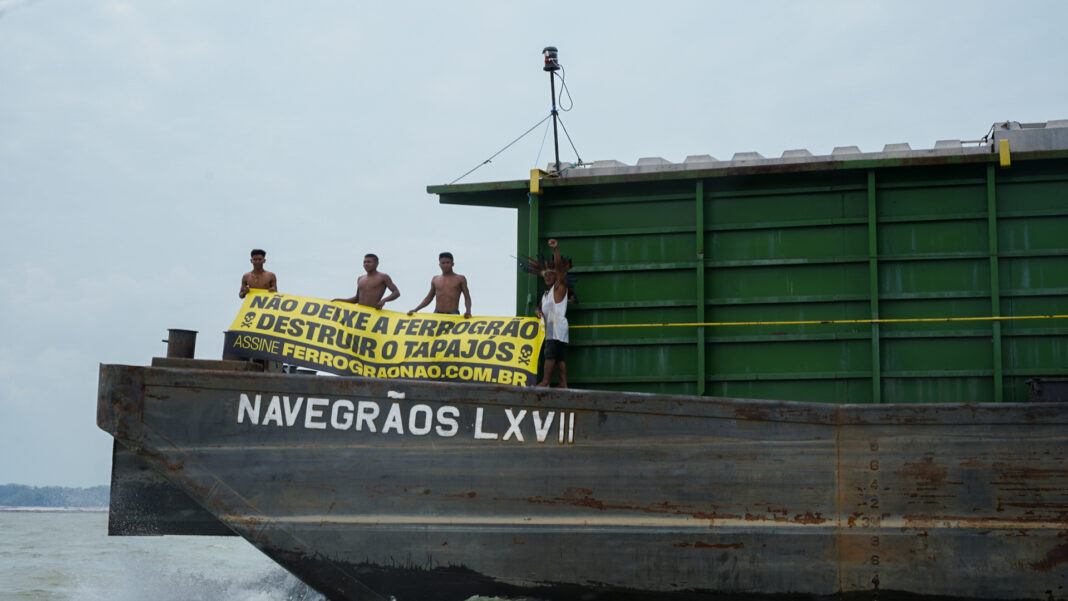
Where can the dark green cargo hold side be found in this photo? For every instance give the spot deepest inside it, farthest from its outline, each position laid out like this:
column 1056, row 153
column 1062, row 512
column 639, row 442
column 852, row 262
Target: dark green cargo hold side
column 889, row 238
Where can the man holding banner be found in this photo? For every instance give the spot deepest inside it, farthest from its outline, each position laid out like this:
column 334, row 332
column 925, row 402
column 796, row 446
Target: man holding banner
column 371, row 287
column 258, row 277
column 447, row 288
column 354, row 340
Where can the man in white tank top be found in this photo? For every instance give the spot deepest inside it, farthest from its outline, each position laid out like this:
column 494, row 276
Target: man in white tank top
column 552, row 310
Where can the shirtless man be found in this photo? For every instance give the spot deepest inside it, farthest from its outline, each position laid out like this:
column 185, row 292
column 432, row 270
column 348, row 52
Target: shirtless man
column 447, row 288
column 258, row 277
column 371, row 287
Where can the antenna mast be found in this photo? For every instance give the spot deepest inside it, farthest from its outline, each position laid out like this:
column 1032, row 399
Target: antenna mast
column 552, row 65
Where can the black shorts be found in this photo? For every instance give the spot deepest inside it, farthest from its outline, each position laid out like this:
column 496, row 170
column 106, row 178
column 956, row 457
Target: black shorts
column 554, row 349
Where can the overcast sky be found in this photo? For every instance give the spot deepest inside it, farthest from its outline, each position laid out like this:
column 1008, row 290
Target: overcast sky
column 146, row 146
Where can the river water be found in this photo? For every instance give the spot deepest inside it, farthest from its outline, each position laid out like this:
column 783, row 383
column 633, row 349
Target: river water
column 67, row 555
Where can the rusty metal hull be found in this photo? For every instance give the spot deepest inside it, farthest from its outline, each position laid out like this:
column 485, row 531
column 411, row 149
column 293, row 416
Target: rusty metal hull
column 625, row 496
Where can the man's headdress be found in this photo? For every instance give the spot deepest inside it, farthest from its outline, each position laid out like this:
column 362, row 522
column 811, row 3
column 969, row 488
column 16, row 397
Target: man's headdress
column 539, row 265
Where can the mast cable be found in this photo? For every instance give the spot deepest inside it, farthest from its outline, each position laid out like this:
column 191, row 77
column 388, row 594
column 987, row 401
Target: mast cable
column 563, row 88
column 551, row 65
column 544, row 135
column 501, row 150
column 570, row 142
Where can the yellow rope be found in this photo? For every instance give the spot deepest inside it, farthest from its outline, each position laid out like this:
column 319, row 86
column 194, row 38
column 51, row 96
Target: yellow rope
column 819, row 322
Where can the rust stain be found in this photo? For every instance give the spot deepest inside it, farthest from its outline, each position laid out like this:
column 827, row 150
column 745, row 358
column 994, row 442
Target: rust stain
column 752, row 413
column 1027, row 474
column 665, row 507
column 926, row 471
column 1051, row 505
column 920, row 521
column 1054, row 557
column 577, row 492
column 573, row 498
column 587, row 502
column 922, row 538
column 712, row 516
column 582, row 497
column 782, row 515
column 809, row 518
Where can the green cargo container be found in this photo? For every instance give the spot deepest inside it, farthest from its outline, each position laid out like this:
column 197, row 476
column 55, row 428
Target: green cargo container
column 905, row 237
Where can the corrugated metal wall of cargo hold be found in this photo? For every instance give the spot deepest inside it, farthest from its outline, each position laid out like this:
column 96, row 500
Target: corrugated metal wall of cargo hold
column 969, row 241
column 788, row 248
column 1032, row 237
column 934, row 261
column 801, row 247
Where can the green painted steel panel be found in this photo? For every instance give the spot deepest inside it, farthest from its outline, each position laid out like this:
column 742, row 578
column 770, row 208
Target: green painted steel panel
column 783, row 283
column 613, row 252
column 664, row 361
column 814, row 243
column 843, row 240
column 937, row 389
column 593, row 218
column 666, row 286
column 816, row 391
column 798, row 359
column 934, row 278
column 752, row 210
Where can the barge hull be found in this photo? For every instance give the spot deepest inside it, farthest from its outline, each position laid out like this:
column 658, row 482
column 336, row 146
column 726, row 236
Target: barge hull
column 367, row 489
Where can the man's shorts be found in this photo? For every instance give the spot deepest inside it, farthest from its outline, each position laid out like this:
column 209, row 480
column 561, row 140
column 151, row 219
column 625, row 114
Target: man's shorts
column 554, row 349
column 456, row 312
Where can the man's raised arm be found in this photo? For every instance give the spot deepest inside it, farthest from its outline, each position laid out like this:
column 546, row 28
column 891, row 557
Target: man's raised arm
column 560, row 286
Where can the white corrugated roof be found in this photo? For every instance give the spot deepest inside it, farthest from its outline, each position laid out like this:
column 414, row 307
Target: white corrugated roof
column 1051, row 135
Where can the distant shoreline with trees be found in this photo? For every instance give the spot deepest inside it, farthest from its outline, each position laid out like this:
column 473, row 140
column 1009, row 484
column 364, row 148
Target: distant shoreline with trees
column 20, row 496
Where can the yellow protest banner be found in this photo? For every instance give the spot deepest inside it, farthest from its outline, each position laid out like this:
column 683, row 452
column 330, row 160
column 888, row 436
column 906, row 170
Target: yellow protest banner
column 355, row 340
